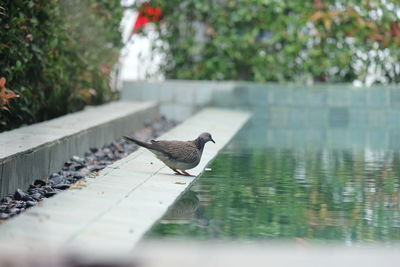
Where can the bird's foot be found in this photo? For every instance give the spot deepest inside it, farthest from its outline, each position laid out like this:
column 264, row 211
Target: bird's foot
column 187, row 174
column 177, row 172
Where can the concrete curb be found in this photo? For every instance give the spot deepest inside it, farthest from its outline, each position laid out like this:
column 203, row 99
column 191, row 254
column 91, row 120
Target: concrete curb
column 35, row 151
column 116, row 208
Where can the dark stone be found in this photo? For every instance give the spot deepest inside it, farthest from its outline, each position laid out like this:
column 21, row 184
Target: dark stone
column 78, row 175
column 90, row 158
column 67, row 164
column 39, row 190
column 14, row 211
column 31, row 186
column 20, row 205
column 54, row 174
column 7, row 199
column 39, row 183
column 4, row 216
column 64, row 173
column 50, row 193
column 21, row 195
column 118, row 157
column 78, row 160
column 61, row 186
column 30, row 204
column 47, row 188
column 76, row 167
column 56, row 179
column 96, row 168
column 110, row 155
column 99, row 155
column 32, row 190
column 37, row 196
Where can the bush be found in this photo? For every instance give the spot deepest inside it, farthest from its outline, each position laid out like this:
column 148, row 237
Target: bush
column 278, row 40
column 57, row 55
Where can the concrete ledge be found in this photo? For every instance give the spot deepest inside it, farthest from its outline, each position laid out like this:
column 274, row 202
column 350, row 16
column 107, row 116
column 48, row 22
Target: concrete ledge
column 35, row 151
column 264, row 253
column 115, row 209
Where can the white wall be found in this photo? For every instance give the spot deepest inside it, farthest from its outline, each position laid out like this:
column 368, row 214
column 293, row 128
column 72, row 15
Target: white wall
column 137, row 60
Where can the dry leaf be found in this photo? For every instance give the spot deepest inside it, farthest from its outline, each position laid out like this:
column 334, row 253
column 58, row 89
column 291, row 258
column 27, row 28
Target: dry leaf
column 93, row 175
column 316, row 16
column 78, row 185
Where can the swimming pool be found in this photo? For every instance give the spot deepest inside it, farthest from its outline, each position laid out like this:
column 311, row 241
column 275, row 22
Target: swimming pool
column 314, row 164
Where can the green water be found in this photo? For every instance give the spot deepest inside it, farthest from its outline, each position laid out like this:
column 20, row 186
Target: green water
column 331, row 177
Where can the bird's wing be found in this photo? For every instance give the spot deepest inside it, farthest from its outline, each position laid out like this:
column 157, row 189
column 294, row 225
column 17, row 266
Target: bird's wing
column 182, row 151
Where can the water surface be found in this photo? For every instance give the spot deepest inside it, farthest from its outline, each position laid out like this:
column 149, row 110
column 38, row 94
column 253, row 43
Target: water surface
column 314, row 171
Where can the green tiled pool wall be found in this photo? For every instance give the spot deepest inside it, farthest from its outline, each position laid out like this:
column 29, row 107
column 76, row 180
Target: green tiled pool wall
column 355, row 117
column 317, row 95
column 332, row 116
column 178, row 99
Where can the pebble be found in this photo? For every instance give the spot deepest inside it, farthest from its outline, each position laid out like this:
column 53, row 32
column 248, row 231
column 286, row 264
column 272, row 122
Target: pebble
column 77, row 168
column 50, row 194
column 14, row 211
column 4, row 216
column 96, row 168
column 56, row 178
column 6, row 199
column 37, row 196
column 21, row 195
column 30, row 204
column 39, row 183
column 61, row 186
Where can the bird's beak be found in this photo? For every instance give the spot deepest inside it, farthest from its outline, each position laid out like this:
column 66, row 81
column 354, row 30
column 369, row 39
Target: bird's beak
column 212, row 140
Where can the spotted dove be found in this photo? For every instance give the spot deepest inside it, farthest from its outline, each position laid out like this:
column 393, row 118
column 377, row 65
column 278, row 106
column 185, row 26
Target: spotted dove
column 177, row 155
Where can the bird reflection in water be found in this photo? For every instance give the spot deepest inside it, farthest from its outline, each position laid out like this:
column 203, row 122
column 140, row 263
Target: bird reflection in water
column 186, row 210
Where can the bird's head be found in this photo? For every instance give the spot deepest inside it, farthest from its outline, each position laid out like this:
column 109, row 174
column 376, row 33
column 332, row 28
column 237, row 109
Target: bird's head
column 205, row 137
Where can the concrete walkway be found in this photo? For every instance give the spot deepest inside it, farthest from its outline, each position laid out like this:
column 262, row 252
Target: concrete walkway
column 111, row 211
column 35, row 151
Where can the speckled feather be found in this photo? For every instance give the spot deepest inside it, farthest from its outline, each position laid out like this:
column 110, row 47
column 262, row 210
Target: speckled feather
column 182, row 151
column 181, row 155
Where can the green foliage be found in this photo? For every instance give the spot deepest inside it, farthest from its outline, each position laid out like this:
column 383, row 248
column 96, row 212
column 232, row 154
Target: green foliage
column 57, row 55
column 277, row 40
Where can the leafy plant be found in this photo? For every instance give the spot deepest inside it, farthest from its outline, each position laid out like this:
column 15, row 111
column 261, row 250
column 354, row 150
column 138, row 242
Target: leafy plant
column 278, row 40
column 5, row 94
column 57, row 55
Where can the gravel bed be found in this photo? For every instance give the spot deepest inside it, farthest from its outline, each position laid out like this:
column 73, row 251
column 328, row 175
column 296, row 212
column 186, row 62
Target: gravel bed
column 77, row 168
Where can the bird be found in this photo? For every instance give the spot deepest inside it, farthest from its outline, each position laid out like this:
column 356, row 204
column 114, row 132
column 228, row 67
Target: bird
column 179, row 156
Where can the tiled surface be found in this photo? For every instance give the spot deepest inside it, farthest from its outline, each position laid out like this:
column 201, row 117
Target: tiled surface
column 178, row 99
column 116, row 208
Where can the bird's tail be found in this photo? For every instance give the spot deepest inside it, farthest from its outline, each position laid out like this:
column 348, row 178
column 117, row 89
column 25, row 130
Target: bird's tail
column 139, row 143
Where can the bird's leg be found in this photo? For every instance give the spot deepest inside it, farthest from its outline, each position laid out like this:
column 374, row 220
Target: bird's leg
column 177, row 172
column 187, row 174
